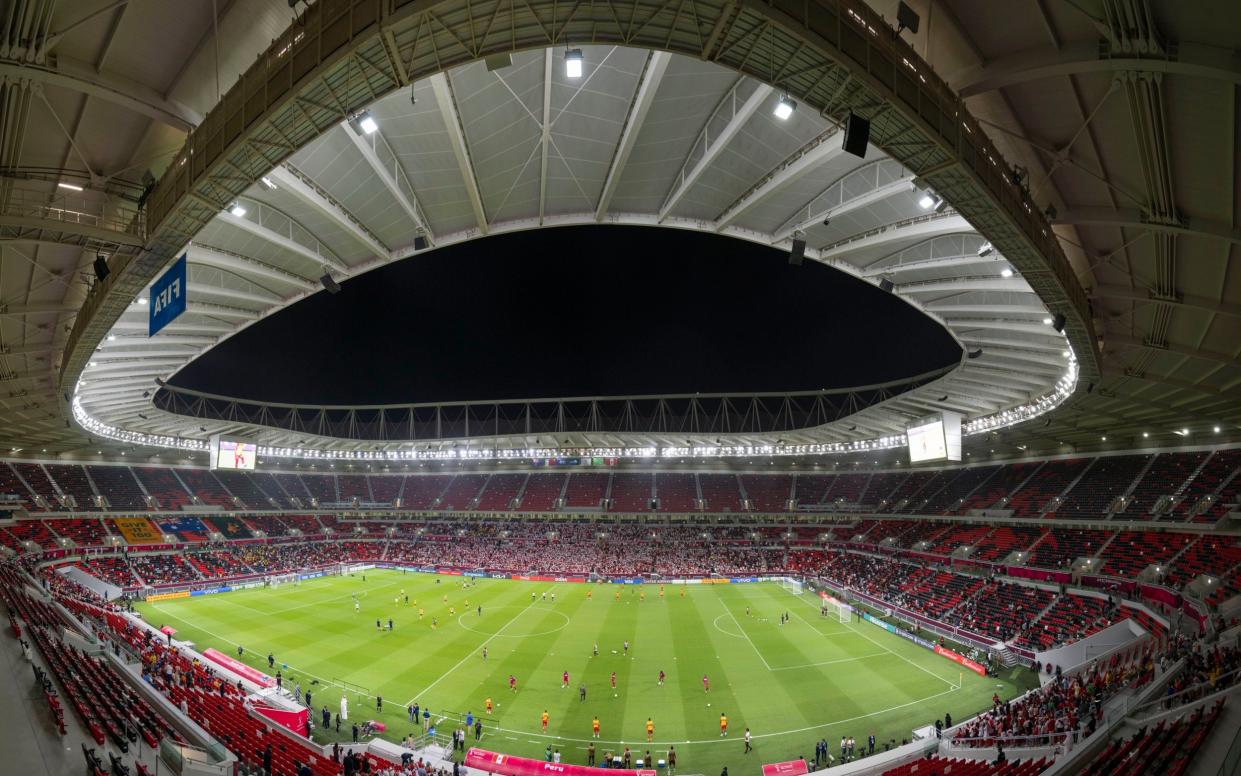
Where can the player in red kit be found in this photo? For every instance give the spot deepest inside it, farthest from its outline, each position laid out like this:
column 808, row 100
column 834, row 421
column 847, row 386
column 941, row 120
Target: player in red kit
column 706, row 683
column 512, row 683
column 564, row 680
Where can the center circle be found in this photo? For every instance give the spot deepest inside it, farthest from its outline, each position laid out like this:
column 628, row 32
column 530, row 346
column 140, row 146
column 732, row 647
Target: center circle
column 511, row 629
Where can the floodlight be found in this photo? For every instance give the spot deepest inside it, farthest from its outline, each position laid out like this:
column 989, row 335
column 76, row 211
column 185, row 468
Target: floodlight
column 926, row 202
column 1007, row 272
column 573, row 63
column 984, row 250
column 785, row 108
column 237, row 209
column 69, row 186
column 367, row 123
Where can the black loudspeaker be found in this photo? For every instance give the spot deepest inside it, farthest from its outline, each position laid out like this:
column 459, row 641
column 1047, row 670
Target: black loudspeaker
column 857, row 135
column 974, row 353
column 329, row 285
column 420, row 243
column 886, row 285
column 1057, row 322
column 906, row 18
column 101, row 268
column 798, row 252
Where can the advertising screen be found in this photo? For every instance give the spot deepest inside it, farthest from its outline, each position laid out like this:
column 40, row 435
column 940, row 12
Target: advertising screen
column 233, row 454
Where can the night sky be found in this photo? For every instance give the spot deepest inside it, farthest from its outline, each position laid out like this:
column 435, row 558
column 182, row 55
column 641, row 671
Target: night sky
column 581, row 311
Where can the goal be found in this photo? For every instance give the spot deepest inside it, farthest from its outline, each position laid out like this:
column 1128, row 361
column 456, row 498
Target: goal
column 792, row 585
column 276, row 580
column 842, row 611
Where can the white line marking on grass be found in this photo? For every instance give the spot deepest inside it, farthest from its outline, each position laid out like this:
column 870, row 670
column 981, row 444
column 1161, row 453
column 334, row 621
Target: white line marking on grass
column 831, row 662
column 653, row 744
column 747, row 638
column 472, row 653
column 716, row 623
column 858, row 631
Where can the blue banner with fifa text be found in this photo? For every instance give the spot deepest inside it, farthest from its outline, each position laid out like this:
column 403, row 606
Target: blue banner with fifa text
column 167, row 297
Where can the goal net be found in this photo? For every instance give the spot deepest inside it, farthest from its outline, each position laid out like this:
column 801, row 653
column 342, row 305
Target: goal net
column 276, row 580
column 842, row 611
column 794, row 586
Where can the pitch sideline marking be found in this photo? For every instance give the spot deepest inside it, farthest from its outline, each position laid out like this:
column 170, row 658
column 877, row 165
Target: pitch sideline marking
column 548, row 736
column 831, row 662
column 884, row 647
column 470, row 654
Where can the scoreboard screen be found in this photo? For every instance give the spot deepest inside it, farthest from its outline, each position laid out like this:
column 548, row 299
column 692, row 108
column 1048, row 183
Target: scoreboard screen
column 235, row 454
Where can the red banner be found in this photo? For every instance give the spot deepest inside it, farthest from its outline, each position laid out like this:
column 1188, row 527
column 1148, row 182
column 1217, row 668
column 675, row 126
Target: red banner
column 292, row 720
column 239, row 668
column 507, row 765
column 787, row 768
column 961, row 660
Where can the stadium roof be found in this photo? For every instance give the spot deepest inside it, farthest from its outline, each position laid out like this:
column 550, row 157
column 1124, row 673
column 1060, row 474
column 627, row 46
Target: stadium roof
column 1119, row 112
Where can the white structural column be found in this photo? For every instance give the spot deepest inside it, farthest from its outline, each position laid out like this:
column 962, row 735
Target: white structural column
column 242, row 265
column 545, row 137
column 877, row 194
column 916, row 229
column 293, row 183
column 644, row 97
column 819, row 151
column 712, row 147
column 282, row 241
column 447, row 104
column 367, row 146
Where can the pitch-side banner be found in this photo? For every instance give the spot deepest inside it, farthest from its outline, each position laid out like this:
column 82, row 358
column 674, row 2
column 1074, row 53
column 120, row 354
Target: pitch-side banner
column 240, row 669
column 787, row 768
column 507, row 765
column 167, row 297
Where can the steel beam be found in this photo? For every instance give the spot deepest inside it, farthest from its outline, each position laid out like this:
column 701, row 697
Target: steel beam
column 447, row 103
column 293, row 182
column 643, row 99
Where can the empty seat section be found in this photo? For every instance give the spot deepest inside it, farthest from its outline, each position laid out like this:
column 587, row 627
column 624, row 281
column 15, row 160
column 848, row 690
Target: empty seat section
column 11, row 485
column 1219, row 467
column 1167, row 473
column 542, row 490
column 922, row 502
column 999, row 485
column 901, row 499
column 243, row 486
column 351, row 486
column 1060, row 547
column 767, row 492
column 37, row 479
column 33, row 531
column 679, row 493
column 880, row 486
column 422, row 492
column 1106, row 480
column 164, row 487
column 954, row 489
column 631, row 492
column 959, row 536
column 293, row 488
column 321, row 487
column 1049, row 481
column 72, row 481
column 1005, row 540
column 271, row 489
column 118, row 486
column 500, row 492
column 1132, row 551
column 203, row 484
column 584, row 490
column 846, row 490
column 810, row 489
column 88, row 532
column 461, row 492
column 385, row 488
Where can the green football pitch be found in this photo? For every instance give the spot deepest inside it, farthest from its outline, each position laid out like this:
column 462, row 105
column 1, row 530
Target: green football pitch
column 792, row 684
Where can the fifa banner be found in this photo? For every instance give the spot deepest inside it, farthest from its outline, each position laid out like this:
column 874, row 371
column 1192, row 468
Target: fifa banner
column 138, row 530
column 507, row 765
column 168, row 596
column 787, row 768
column 240, row 669
column 291, row 720
column 961, row 660
column 937, row 649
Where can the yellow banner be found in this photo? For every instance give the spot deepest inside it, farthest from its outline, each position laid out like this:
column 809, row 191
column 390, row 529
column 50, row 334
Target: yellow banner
column 166, row 596
column 138, row 530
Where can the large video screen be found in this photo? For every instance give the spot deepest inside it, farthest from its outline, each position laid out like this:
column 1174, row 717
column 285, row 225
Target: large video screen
column 935, row 439
column 233, row 454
